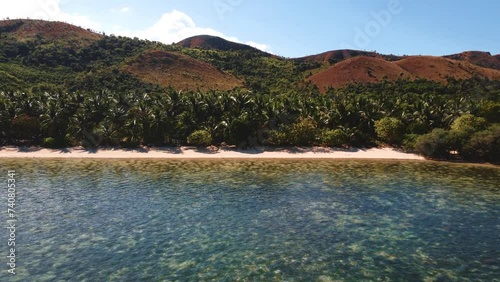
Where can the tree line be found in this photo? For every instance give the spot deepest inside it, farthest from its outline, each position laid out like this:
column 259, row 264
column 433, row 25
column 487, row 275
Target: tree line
column 438, row 121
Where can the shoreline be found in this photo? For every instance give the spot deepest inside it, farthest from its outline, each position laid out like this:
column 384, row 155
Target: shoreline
column 207, row 153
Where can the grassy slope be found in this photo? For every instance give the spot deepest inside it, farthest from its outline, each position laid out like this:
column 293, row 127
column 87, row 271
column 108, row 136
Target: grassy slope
column 179, row 71
column 34, row 53
column 372, row 70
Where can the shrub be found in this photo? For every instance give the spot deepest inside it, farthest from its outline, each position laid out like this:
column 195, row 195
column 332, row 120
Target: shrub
column 49, row 142
column 276, row 138
column 302, row 133
column 463, row 128
column 483, row 145
column 389, row 130
column 333, row 138
column 56, row 142
column 468, row 124
column 200, row 138
column 410, row 141
column 434, row 145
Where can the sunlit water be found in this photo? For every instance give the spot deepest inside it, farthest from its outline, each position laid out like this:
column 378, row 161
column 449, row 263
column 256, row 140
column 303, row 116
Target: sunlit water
column 110, row 220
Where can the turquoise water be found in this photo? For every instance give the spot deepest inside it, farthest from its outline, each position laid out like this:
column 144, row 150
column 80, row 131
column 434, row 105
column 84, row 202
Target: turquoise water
column 151, row 220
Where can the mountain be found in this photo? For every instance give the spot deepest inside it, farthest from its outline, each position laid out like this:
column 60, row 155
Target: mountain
column 179, row 71
column 36, row 54
column 359, row 69
column 215, row 43
column 483, row 59
column 439, row 69
column 371, row 70
column 41, row 54
column 335, row 56
column 26, row 30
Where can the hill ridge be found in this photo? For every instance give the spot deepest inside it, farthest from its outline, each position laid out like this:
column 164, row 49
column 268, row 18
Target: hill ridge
column 373, row 70
column 214, row 42
column 166, row 68
column 28, row 29
column 38, row 52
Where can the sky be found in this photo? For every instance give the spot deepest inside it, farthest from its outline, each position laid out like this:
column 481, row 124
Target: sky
column 290, row 28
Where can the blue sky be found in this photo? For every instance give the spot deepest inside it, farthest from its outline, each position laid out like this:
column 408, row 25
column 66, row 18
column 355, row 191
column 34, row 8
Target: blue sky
column 289, row 28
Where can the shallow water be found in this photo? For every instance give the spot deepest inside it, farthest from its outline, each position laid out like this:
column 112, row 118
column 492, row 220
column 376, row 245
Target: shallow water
column 202, row 220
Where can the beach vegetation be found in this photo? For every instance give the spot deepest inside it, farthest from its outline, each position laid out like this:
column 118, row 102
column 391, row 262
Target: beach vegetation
column 389, row 130
column 83, row 90
column 200, row 138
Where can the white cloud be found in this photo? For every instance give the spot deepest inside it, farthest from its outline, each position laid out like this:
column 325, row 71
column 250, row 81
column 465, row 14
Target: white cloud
column 176, row 26
column 260, row 46
column 45, row 10
column 171, row 27
column 13, row 10
column 80, row 20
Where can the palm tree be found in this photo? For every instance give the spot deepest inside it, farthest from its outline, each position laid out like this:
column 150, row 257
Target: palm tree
column 56, row 111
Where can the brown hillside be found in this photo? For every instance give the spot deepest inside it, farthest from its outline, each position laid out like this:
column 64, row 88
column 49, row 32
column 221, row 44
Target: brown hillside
column 483, row 59
column 438, row 68
column 179, row 71
column 358, row 69
column 25, row 30
column 337, row 56
column 372, row 70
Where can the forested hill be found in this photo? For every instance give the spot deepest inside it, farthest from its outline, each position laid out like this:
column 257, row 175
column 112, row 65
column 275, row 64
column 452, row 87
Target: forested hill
column 53, row 55
column 62, row 85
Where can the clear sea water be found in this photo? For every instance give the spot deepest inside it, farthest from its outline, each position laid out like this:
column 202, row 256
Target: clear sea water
column 253, row 220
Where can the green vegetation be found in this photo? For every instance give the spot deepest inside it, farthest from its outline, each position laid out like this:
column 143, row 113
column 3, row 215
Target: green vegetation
column 402, row 113
column 303, row 132
column 435, row 144
column 200, row 138
column 99, row 64
column 59, row 94
column 483, row 145
column 390, row 130
column 334, row 138
column 51, row 142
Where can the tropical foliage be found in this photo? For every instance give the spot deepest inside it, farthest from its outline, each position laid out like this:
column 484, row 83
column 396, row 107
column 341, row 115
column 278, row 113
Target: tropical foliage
column 200, row 138
column 60, row 93
column 360, row 115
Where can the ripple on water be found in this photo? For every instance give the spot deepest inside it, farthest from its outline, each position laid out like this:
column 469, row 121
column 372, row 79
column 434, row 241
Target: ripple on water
column 260, row 220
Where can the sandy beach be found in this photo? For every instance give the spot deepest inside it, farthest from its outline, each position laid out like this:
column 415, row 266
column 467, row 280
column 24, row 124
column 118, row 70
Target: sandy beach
column 215, row 153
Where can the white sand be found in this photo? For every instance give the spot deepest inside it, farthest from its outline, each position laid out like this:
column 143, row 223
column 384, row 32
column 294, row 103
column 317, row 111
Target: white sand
column 223, row 153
